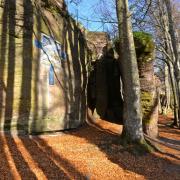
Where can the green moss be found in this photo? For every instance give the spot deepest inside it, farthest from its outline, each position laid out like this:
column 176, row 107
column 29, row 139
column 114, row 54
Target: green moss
column 144, row 46
column 136, row 148
column 147, row 104
column 143, row 42
column 142, row 148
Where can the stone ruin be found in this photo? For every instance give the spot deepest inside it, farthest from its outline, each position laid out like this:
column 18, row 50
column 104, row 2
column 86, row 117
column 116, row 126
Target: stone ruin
column 105, row 94
column 104, row 85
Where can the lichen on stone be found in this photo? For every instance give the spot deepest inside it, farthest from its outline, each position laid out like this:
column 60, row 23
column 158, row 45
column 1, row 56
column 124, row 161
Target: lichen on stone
column 147, row 105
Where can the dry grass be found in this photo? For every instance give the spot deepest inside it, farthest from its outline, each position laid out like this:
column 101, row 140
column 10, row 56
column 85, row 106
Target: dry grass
column 85, row 153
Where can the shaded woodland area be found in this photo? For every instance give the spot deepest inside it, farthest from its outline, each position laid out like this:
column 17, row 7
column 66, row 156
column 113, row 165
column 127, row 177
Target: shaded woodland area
column 79, row 104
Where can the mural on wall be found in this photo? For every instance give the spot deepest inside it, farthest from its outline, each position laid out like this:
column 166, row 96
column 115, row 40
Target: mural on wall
column 50, row 51
column 51, row 55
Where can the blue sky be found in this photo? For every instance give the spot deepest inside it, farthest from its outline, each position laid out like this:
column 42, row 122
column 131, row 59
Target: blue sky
column 86, row 10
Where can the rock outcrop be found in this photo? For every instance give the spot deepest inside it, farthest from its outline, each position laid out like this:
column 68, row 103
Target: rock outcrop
column 104, row 87
column 145, row 50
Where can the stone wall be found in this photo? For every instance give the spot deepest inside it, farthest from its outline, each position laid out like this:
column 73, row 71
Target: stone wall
column 97, row 43
column 41, row 89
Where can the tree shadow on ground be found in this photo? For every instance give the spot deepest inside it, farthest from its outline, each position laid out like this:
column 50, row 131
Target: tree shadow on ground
column 31, row 155
column 5, row 170
column 51, row 163
column 15, row 164
column 146, row 165
column 168, row 129
column 169, row 140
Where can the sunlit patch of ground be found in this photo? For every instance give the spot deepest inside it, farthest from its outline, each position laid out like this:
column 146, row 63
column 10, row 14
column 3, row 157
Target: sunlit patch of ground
column 85, row 153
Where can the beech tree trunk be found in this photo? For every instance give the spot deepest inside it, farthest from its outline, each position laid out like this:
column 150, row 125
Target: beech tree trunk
column 175, row 95
column 167, row 90
column 174, row 41
column 132, row 114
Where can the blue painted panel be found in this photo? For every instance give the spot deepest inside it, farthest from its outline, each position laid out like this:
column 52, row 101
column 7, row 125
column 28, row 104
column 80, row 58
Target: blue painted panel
column 38, row 44
column 51, row 75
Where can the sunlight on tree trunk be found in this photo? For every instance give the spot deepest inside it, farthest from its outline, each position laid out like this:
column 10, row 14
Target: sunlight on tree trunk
column 132, row 106
column 174, row 41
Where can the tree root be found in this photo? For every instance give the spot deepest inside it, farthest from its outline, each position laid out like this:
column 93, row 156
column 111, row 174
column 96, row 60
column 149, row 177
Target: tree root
column 148, row 145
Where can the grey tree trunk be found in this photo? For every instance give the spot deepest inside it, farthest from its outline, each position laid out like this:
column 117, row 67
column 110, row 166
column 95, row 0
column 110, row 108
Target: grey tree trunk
column 171, row 66
column 130, row 77
column 172, row 30
column 175, row 95
column 167, row 90
column 174, row 41
column 163, row 23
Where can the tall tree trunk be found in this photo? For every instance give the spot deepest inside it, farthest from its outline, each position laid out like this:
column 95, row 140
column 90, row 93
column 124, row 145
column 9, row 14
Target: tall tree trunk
column 175, row 95
column 167, row 90
column 174, row 41
column 171, row 66
column 172, row 30
column 130, row 77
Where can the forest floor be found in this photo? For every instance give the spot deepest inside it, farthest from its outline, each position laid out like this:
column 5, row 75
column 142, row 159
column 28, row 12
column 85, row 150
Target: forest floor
column 88, row 152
